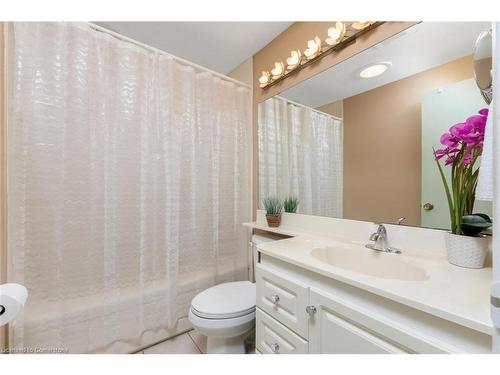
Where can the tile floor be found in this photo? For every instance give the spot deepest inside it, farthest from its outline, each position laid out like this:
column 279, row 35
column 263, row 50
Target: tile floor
column 190, row 342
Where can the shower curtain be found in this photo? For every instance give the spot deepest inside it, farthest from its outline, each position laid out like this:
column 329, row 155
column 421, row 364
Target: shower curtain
column 300, row 153
column 129, row 178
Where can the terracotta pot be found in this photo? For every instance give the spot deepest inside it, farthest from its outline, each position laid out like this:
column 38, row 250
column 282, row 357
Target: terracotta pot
column 273, row 220
column 466, row 251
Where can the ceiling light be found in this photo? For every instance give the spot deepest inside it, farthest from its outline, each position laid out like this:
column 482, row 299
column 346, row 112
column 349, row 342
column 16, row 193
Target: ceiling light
column 374, row 70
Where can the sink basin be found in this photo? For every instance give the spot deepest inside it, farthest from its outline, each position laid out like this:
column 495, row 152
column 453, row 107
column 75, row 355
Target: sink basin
column 371, row 263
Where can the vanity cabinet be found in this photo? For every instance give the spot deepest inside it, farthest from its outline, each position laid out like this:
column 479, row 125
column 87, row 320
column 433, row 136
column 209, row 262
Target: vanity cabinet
column 299, row 311
column 293, row 319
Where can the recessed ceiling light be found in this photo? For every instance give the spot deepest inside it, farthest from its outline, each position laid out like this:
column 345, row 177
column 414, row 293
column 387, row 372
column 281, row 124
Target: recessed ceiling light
column 374, row 70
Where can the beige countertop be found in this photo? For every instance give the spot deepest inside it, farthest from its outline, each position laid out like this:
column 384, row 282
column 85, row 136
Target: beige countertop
column 456, row 294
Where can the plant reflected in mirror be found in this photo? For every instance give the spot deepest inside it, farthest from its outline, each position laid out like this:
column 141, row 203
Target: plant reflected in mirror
column 290, row 204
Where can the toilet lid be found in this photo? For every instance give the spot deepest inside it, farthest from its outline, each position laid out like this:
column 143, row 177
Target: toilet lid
column 227, row 300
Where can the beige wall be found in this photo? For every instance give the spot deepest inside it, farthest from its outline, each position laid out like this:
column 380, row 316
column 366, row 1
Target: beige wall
column 244, row 72
column 294, row 37
column 382, row 145
column 335, row 109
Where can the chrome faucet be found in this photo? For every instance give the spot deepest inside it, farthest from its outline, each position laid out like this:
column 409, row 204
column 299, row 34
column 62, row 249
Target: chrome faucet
column 380, row 238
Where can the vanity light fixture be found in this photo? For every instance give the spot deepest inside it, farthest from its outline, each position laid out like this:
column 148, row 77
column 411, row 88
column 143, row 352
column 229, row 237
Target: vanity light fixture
column 374, row 70
column 278, row 70
column 294, row 59
column 264, row 79
column 313, row 48
column 338, row 37
column 335, row 34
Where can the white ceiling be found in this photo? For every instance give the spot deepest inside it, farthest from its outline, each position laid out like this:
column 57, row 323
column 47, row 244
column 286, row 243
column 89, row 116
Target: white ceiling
column 220, row 46
column 414, row 50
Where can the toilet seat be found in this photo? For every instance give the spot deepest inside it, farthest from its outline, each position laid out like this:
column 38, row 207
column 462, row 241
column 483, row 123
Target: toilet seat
column 228, row 327
column 225, row 301
column 222, row 316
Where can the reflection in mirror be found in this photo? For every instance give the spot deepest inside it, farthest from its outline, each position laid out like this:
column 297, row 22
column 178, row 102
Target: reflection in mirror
column 300, row 153
column 361, row 148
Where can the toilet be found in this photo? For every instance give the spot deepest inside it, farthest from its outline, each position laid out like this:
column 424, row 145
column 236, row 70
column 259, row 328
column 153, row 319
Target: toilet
column 225, row 313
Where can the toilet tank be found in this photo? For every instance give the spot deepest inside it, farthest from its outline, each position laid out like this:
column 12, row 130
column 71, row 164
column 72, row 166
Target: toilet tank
column 254, row 254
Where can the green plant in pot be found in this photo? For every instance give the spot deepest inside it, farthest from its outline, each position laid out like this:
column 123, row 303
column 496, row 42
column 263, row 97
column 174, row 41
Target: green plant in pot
column 463, row 145
column 290, row 204
column 273, row 207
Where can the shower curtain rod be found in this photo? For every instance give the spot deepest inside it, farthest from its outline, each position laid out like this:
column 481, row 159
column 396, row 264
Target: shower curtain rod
column 153, row 49
column 305, row 106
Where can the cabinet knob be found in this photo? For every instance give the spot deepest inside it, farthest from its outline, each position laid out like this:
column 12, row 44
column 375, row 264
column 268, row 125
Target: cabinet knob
column 275, row 348
column 275, row 298
column 311, row 310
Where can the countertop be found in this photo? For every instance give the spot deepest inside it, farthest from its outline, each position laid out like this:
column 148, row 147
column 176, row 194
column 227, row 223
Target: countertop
column 456, row 294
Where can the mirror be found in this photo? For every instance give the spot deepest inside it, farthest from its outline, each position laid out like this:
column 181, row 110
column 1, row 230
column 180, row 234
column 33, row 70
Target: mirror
column 356, row 141
column 483, row 64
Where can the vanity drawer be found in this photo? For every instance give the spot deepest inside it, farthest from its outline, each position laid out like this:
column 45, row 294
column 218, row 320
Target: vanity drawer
column 273, row 337
column 283, row 298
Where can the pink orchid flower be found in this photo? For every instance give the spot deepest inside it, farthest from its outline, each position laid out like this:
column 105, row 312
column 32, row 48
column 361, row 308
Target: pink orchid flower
column 468, row 134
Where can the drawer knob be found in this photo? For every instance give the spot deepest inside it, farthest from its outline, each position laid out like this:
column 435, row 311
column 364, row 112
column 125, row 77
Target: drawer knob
column 275, row 348
column 275, row 298
column 311, row 310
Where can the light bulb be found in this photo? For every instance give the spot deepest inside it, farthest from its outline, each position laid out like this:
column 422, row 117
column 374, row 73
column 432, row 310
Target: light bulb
column 313, row 48
column 335, row 34
column 294, row 59
column 278, row 69
column 264, row 79
column 360, row 25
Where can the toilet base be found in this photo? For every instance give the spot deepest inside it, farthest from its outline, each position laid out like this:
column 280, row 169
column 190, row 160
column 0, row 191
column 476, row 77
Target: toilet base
column 226, row 345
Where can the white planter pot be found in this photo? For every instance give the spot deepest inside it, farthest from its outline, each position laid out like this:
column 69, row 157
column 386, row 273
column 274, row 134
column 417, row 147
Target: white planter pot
column 465, row 251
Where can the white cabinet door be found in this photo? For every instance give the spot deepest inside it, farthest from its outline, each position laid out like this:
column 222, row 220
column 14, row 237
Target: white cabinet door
column 333, row 333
